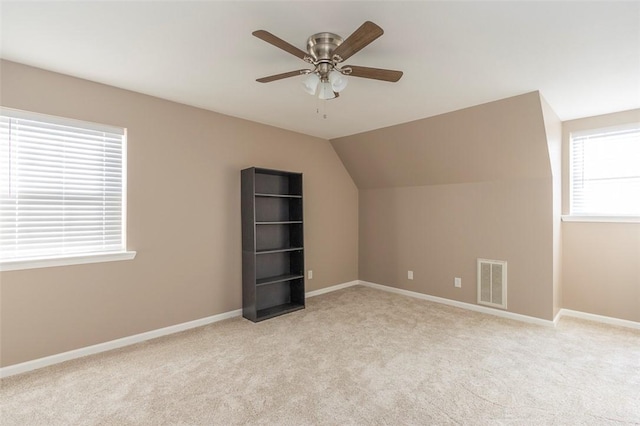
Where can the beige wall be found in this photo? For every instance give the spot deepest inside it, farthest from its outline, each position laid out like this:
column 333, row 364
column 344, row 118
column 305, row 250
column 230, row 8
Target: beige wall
column 436, row 194
column 553, row 128
column 183, row 219
column 601, row 261
column 601, row 273
column 439, row 231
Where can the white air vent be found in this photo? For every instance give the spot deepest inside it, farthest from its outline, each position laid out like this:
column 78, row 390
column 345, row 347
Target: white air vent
column 492, row 283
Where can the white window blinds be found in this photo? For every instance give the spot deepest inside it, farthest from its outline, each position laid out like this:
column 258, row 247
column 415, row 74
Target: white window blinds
column 605, row 172
column 62, row 187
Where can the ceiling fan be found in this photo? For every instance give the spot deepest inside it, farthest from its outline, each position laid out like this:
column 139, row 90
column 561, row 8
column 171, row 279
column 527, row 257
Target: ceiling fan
column 326, row 52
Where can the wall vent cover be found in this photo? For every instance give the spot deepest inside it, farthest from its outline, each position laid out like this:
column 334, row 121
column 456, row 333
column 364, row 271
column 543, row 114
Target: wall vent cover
column 492, row 283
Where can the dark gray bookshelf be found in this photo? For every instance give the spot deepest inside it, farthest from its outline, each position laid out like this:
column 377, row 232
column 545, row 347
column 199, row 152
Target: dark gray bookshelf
column 272, row 243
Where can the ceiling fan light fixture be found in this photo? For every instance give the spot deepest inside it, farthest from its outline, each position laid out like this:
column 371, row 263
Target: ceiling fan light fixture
column 310, row 83
column 326, row 91
column 338, row 81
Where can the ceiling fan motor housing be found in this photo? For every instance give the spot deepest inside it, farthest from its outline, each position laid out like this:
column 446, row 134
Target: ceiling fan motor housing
column 321, row 46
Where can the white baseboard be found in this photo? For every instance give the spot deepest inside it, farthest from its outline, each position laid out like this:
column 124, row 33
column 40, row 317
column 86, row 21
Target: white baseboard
column 463, row 305
column 599, row 318
column 113, row 344
column 557, row 318
column 332, row 288
column 35, row 364
column 137, row 338
column 519, row 317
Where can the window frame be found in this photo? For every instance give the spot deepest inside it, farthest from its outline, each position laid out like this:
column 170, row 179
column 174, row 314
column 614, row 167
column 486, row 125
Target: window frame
column 586, row 217
column 43, row 261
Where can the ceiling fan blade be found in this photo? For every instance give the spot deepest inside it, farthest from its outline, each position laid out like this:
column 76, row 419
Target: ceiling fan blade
column 375, row 73
column 278, row 42
column 359, row 39
column 281, row 76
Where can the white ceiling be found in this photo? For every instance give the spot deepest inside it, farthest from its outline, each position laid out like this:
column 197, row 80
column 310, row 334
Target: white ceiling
column 584, row 57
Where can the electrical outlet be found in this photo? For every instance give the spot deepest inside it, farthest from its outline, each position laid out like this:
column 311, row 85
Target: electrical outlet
column 457, row 282
column 310, row 274
column 410, row 275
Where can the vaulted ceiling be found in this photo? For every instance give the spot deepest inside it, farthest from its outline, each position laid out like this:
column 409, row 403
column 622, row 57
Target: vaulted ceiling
column 584, row 57
column 500, row 140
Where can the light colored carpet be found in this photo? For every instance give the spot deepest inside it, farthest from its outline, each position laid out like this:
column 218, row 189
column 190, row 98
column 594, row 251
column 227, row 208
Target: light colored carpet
column 355, row 356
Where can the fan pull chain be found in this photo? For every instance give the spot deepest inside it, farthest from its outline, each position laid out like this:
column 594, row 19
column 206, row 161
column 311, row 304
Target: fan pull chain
column 324, row 108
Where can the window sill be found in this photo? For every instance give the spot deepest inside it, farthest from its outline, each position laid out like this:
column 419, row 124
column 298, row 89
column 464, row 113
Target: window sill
column 15, row 265
column 610, row 219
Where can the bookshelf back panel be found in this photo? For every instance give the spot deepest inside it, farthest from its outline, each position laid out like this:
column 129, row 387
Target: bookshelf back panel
column 272, row 209
column 275, row 237
column 276, row 264
column 273, row 183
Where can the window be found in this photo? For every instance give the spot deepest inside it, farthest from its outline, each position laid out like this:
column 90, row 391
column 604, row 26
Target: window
column 605, row 172
column 62, row 189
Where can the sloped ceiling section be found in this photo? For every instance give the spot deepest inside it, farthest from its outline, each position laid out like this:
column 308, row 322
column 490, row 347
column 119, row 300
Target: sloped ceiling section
column 499, row 140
